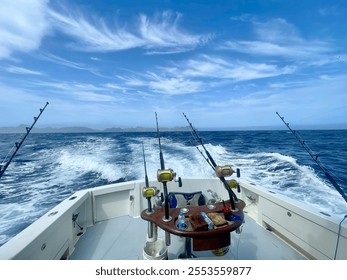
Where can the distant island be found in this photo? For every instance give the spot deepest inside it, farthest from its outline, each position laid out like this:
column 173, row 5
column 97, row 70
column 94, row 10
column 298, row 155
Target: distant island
column 79, row 129
column 22, row 129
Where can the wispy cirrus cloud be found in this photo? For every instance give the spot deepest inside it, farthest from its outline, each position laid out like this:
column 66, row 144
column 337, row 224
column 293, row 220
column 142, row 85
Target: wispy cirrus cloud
column 76, row 91
column 174, row 85
column 68, row 86
column 62, row 61
column 335, row 9
column 302, row 50
column 202, row 74
column 292, row 98
column 93, row 35
column 235, row 70
column 17, row 31
column 159, row 83
column 161, row 33
column 69, row 63
column 94, row 97
column 22, row 71
column 279, row 38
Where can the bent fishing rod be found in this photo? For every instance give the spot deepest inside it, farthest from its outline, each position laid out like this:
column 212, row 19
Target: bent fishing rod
column 19, row 144
column 221, row 171
column 315, row 158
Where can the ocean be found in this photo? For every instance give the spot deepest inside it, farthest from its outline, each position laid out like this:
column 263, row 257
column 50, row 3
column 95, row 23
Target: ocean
column 50, row 167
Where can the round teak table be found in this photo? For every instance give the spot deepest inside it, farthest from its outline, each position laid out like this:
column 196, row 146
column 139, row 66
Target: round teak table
column 203, row 238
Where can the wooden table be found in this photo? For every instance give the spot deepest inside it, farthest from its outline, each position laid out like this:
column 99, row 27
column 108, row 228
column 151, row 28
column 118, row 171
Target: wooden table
column 203, row 240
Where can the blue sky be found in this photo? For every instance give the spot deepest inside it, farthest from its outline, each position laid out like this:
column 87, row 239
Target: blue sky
column 224, row 63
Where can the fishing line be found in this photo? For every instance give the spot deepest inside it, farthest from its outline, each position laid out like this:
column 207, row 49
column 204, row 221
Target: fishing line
column 19, row 144
column 10, row 151
column 315, row 159
column 219, row 170
column 334, row 174
column 238, row 242
column 202, row 154
column 338, row 236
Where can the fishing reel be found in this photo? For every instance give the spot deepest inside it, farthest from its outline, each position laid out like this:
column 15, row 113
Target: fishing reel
column 165, row 175
column 233, row 184
column 149, row 192
column 223, row 171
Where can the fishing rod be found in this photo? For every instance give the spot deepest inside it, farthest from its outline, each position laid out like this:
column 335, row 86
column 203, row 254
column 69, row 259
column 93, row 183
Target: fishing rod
column 201, row 153
column 144, row 163
column 315, row 158
column 162, row 163
column 164, row 176
column 221, row 171
column 19, row 144
column 148, row 193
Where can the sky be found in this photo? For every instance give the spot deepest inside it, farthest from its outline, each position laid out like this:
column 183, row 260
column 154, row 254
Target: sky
column 226, row 64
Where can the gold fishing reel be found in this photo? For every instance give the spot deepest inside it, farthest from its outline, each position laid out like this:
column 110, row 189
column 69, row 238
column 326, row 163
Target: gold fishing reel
column 233, row 184
column 149, row 192
column 223, row 171
column 165, row 175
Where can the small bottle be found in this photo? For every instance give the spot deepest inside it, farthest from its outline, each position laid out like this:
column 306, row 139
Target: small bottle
column 227, row 212
column 181, row 221
column 207, row 220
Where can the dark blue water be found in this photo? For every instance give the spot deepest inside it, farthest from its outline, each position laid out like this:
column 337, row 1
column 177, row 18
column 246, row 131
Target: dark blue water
column 50, row 167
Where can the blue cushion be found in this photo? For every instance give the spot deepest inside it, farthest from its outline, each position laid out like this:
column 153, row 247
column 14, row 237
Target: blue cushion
column 179, row 199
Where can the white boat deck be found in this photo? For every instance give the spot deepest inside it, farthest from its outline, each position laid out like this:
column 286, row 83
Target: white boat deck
column 124, row 238
column 116, row 234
